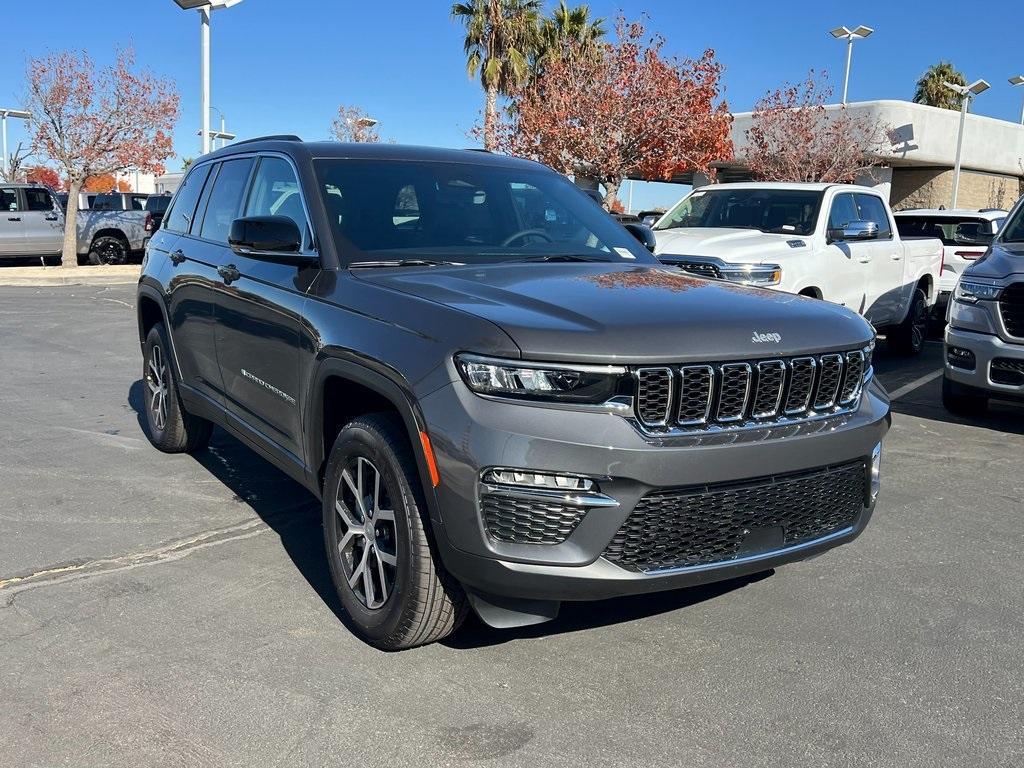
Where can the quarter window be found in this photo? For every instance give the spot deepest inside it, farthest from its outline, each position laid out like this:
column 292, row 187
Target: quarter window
column 225, row 199
column 183, row 209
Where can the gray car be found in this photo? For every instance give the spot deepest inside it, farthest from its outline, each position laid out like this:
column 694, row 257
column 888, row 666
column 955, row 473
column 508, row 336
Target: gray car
column 501, row 398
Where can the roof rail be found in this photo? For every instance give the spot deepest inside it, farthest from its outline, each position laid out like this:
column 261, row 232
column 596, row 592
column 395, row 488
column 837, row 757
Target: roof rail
column 991, row 210
column 479, row 149
column 273, row 137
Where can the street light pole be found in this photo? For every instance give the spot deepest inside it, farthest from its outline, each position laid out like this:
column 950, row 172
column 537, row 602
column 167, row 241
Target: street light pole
column 1019, row 80
column 967, row 93
column 845, row 33
column 4, row 114
column 205, row 8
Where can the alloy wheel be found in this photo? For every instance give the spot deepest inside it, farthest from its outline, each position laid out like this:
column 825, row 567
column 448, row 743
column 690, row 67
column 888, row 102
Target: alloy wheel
column 367, row 536
column 156, row 380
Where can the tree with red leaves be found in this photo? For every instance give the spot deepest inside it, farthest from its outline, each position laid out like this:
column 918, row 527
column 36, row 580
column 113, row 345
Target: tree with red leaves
column 40, row 174
column 95, row 123
column 104, row 182
column 629, row 112
column 793, row 137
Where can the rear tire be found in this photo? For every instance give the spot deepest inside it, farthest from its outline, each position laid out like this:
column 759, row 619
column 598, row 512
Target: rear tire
column 108, row 249
column 395, row 592
column 170, row 427
column 961, row 400
column 908, row 337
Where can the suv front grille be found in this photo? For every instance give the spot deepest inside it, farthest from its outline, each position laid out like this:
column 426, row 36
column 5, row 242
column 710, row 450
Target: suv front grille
column 729, row 395
column 1011, row 307
column 715, row 524
column 699, row 268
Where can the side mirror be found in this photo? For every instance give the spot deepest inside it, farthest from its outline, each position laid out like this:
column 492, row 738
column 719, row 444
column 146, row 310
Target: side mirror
column 971, row 233
column 643, row 233
column 855, row 230
column 273, row 238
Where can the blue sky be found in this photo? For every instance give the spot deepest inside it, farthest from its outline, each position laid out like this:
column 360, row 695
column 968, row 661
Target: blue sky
column 283, row 66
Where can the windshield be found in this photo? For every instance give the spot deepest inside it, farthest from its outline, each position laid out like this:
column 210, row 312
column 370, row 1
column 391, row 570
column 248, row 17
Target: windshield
column 950, row 230
column 1012, row 230
column 413, row 211
column 779, row 211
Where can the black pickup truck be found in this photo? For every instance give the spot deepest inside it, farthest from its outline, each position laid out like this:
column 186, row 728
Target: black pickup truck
column 500, row 396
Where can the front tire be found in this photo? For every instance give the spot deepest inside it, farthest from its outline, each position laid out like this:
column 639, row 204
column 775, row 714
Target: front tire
column 961, row 400
column 108, row 250
column 394, row 590
column 170, row 427
column 908, row 337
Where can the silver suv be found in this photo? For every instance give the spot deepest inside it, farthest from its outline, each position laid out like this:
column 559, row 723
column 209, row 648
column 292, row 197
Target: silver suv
column 985, row 336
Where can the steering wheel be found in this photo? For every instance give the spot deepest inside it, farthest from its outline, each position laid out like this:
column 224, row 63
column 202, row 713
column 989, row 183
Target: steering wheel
column 525, row 233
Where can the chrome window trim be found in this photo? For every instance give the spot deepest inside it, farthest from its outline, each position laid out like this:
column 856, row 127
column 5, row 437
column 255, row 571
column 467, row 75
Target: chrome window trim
column 711, row 391
column 746, row 392
column 671, row 392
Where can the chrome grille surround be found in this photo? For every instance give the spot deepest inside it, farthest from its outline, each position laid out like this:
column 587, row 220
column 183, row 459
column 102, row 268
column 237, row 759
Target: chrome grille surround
column 694, row 399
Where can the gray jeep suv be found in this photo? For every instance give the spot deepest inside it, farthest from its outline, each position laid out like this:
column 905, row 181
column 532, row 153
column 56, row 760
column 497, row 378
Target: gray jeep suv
column 502, row 399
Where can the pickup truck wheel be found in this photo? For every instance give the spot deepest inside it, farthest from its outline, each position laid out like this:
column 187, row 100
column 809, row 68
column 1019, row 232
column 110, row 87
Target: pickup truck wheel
column 170, row 427
column 908, row 337
column 961, row 400
column 108, row 250
column 394, row 590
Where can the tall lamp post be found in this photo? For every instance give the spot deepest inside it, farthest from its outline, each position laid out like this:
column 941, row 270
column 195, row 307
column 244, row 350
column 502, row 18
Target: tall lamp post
column 4, row 114
column 223, row 128
column 967, row 93
column 205, row 8
column 1018, row 80
column 845, row 33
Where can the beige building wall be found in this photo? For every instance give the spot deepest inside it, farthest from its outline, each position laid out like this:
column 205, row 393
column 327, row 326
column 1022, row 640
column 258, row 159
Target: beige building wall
column 932, row 187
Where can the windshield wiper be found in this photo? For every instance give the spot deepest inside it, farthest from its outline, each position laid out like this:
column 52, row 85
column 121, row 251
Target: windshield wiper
column 562, row 257
column 403, row 263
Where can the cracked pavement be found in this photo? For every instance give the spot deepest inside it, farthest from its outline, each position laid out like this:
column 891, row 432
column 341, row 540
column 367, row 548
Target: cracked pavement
column 176, row 610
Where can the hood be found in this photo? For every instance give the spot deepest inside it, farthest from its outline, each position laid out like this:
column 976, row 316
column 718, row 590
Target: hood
column 746, row 246
column 620, row 313
column 1001, row 261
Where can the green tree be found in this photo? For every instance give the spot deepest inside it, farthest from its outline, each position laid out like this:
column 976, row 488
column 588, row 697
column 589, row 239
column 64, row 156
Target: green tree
column 186, row 162
column 501, row 39
column 568, row 28
column 931, row 91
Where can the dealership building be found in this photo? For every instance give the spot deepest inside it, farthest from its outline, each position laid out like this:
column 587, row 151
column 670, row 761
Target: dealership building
column 915, row 170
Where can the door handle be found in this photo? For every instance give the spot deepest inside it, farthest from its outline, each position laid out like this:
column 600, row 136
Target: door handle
column 177, row 256
column 229, row 273
column 896, row 257
column 864, row 260
column 14, row 218
column 52, row 217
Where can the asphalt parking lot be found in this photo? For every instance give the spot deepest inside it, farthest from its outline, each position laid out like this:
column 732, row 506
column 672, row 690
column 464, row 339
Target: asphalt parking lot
column 171, row 610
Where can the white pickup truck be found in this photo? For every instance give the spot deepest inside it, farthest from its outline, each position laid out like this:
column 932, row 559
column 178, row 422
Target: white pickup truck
column 836, row 242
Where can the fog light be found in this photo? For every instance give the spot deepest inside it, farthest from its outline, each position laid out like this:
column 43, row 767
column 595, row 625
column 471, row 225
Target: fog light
column 958, row 357
column 537, row 480
column 876, row 471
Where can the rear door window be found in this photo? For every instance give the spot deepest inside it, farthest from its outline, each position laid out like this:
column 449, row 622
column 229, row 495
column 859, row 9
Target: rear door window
column 225, row 203
column 38, row 200
column 180, row 216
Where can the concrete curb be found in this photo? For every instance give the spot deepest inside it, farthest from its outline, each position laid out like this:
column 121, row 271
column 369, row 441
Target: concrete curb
column 36, row 277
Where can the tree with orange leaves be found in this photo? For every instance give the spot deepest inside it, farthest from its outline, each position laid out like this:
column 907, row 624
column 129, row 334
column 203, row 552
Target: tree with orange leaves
column 40, row 174
column 793, row 137
column 105, row 182
column 631, row 111
column 95, row 123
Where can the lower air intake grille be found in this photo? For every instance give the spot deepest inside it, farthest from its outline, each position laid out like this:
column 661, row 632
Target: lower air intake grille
column 1007, row 371
column 522, row 521
column 713, row 524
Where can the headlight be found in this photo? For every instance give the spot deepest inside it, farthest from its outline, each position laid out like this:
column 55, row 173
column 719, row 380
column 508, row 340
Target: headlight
column 539, row 381
column 752, row 274
column 970, row 291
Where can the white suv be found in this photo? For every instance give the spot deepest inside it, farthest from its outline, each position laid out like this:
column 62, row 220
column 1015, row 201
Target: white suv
column 965, row 236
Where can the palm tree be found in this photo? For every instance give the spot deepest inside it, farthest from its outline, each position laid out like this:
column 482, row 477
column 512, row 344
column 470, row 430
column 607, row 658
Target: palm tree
column 501, row 38
column 931, row 91
column 567, row 27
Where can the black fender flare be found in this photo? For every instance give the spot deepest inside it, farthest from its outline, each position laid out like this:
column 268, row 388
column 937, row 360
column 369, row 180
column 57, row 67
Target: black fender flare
column 149, row 291
column 391, row 388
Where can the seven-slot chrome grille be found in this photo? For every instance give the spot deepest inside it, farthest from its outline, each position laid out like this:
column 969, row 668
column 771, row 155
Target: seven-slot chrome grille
column 734, row 394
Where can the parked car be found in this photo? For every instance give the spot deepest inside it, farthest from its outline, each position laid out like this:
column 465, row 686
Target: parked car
column 984, row 341
column 835, row 242
column 119, row 201
column 34, row 226
column 965, row 236
column 156, row 205
column 650, row 218
column 500, row 406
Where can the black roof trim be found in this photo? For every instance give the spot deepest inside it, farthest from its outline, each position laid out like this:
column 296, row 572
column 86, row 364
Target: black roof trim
column 274, row 137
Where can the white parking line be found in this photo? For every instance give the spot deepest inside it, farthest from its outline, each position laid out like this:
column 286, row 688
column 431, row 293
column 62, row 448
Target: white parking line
column 896, row 394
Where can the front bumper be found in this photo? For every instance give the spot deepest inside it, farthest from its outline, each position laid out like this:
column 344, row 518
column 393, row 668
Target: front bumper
column 986, row 348
column 470, row 434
